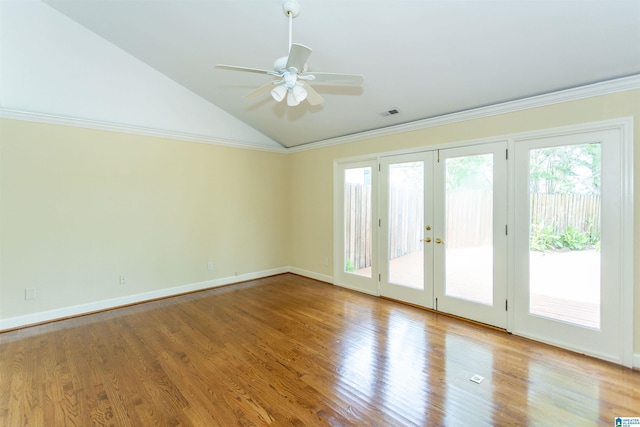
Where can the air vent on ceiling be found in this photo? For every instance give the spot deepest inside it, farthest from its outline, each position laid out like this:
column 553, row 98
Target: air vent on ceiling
column 390, row 112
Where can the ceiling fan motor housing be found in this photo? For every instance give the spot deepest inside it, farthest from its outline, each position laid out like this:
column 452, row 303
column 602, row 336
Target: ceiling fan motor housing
column 280, row 65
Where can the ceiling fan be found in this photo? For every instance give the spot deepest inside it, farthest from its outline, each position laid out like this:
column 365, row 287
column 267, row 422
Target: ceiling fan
column 292, row 79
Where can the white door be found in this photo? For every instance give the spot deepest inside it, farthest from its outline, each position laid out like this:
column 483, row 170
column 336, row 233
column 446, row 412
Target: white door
column 470, row 218
column 443, row 243
column 406, row 228
column 568, row 214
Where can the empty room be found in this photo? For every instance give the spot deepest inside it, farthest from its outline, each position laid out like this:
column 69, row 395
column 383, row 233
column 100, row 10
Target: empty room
column 305, row 212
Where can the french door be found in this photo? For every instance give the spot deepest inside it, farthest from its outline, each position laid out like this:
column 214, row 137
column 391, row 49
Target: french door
column 471, row 259
column 443, row 243
column 406, row 225
column 568, row 252
column 542, row 237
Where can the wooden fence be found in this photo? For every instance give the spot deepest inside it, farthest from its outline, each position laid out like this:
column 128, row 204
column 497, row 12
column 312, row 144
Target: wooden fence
column 406, row 220
column 469, row 219
column 566, row 210
column 358, row 223
column 406, row 216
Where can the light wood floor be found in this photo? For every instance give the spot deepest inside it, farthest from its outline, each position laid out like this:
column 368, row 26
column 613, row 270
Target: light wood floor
column 287, row 350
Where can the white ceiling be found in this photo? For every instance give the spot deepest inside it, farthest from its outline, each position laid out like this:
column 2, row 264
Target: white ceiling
column 425, row 58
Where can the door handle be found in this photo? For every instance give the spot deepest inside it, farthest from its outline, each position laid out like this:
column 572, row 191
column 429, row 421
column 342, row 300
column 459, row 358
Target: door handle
column 427, row 240
column 439, row 241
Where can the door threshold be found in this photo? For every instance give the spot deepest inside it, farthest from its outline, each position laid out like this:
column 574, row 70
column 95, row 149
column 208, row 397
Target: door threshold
column 453, row 316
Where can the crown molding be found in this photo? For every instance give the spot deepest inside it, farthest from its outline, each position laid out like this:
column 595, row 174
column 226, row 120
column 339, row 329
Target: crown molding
column 136, row 130
column 573, row 94
column 582, row 92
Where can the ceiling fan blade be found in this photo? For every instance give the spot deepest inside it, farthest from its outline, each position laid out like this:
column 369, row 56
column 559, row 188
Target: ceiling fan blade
column 261, row 90
column 349, row 79
column 298, row 56
column 313, row 97
column 245, row 69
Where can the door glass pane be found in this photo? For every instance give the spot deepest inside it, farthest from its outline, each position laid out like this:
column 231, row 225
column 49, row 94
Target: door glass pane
column 469, row 228
column 406, row 222
column 564, row 233
column 357, row 221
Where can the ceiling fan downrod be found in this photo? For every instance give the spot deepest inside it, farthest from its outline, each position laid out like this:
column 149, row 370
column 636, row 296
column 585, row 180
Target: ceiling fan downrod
column 291, row 8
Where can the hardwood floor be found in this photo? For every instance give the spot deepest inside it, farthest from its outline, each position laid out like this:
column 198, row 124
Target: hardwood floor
column 287, row 350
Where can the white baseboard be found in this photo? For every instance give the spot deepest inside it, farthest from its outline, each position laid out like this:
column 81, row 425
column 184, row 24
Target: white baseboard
column 355, row 288
column 311, row 274
column 251, row 276
column 628, row 360
column 78, row 310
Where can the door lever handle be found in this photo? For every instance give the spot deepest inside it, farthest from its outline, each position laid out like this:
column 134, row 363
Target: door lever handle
column 427, row 240
column 439, row 241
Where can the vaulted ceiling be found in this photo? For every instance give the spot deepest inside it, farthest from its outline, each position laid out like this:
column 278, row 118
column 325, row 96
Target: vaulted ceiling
column 423, row 58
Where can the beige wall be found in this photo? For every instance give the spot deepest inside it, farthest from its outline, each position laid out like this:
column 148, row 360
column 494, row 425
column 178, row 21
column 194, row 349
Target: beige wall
column 79, row 207
column 312, row 224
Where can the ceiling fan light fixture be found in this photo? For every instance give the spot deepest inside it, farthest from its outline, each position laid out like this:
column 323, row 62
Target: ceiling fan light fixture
column 279, row 92
column 299, row 92
column 296, row 95
column 291, row 99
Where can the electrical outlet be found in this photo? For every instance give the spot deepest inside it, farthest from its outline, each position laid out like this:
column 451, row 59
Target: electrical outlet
column 30, row 293
column 210, row 265
column 326, row 261
column 123, row 279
